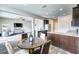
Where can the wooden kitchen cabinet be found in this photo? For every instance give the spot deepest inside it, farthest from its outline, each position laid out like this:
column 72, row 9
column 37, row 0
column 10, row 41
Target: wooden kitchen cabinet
column 77, row 44
column 57, row 40
column 70, row 46
column 62, row 42
column 69, row 43
column 52, row 38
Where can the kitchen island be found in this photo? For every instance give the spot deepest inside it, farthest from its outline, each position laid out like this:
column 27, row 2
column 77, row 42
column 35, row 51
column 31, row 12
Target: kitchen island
column 66, row 41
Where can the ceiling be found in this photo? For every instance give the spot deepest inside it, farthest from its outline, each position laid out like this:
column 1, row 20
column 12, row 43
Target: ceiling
column 44, row 10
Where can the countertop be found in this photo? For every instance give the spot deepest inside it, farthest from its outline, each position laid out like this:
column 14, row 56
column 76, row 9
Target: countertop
column 67, row 34
column 12, row 34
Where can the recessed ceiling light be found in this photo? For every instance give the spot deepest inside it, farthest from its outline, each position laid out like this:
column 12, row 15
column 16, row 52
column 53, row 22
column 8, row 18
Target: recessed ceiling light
column 44, row 16
column 25, row 4
column 61, row 9
column 47, row 13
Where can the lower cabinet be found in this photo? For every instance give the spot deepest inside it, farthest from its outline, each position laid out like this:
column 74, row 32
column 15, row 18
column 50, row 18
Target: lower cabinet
column 77, row 44
column 68, row 43
column 57, row 40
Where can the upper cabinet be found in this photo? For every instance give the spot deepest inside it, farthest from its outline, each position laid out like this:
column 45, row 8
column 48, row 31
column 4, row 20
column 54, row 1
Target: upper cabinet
column 75, row 16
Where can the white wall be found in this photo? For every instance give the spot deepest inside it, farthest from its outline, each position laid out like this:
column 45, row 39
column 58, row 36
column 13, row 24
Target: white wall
column 26, row 24
column 64, row 23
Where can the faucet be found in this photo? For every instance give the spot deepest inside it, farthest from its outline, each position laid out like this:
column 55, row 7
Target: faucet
column 77, row 31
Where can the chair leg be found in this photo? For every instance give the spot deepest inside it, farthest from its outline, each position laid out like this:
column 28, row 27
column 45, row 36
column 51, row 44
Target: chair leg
column 30, row 51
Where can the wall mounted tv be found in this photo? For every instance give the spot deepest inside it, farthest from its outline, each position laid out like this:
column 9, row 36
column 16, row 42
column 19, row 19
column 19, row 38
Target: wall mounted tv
column 18, row 25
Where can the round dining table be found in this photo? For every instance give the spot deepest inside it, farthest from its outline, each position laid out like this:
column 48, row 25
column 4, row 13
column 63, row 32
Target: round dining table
column 37, row 42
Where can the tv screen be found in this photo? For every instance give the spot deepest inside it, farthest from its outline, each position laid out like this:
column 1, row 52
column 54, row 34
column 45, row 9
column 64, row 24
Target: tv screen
column 18, row 25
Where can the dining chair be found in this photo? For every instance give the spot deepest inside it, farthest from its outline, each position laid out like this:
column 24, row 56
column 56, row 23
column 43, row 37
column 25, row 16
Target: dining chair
column 24, row 36
column 42, row 36
column 44, row 48
column 11, row 50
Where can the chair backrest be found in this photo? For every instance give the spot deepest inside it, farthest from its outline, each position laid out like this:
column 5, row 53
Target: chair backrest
column 24, row 36
column 45, row 48
column 9, row 47
column 42, row 36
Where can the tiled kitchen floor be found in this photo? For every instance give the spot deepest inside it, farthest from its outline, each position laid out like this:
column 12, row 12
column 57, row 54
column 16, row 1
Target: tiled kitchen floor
column 56, row 50
column 52, row 50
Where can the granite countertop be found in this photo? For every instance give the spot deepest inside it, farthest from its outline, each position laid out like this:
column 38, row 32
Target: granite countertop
column 15, row 34
column 68, row 34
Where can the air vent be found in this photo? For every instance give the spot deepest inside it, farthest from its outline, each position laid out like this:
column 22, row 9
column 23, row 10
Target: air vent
column 44, row 6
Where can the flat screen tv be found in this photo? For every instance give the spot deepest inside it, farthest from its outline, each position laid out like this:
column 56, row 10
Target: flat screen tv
column 18, row 25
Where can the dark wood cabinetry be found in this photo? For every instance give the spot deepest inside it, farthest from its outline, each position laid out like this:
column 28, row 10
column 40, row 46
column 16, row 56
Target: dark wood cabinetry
column 69, row 43
column 75, row 16
column 54, row 38
column 77, row 44
column 57, row 40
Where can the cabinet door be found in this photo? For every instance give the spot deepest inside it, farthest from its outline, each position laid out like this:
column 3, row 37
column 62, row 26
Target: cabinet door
column 70, row 44
column 51, row 37
column 57, row 40
column 77, row 44
column 67, row 43
column 62, row 41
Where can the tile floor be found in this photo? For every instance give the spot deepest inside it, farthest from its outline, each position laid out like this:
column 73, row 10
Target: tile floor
column 52, row 50
column 56, row 50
